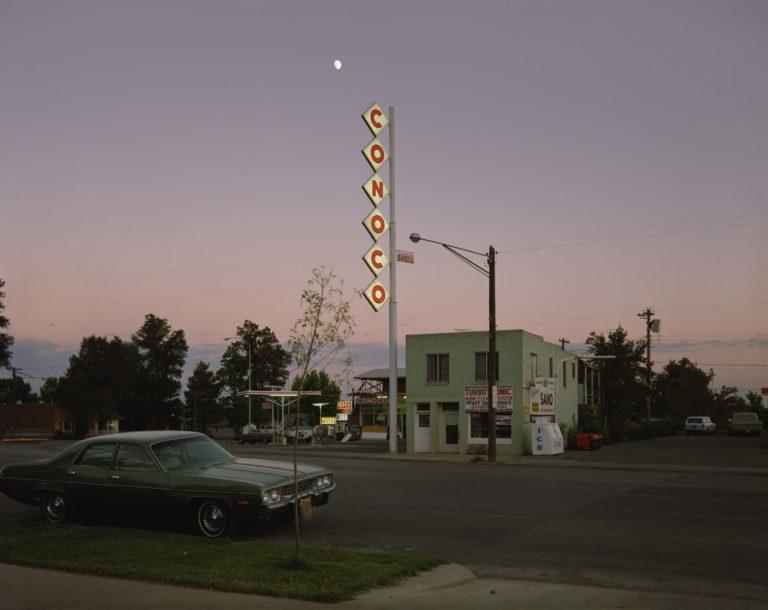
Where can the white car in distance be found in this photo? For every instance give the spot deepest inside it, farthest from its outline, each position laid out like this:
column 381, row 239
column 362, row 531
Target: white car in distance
column 699, row 424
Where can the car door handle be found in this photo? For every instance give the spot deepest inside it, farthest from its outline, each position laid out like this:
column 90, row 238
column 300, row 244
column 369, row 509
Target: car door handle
column 115, row 476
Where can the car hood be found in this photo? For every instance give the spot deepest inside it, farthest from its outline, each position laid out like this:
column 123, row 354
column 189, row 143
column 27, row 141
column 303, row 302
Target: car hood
column 261, row 472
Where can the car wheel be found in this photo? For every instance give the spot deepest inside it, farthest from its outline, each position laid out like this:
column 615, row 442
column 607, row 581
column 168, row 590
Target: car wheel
column 214, row 519
column 55, row 507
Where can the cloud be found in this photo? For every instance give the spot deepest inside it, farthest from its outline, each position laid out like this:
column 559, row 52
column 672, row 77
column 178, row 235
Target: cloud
column 758, row 341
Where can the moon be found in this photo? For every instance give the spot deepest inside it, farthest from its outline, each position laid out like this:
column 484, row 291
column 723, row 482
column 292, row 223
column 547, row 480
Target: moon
column 337, row 64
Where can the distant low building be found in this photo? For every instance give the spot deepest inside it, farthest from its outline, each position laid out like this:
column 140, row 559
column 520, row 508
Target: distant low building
column 41, row 421
column 370, row 404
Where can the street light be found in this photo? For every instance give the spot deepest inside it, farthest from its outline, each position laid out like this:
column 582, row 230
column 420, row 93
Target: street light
column 490, row 273
column 320, row 406
column 250, row 349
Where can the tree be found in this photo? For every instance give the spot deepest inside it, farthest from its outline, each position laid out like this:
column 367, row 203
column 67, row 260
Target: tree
column 269, row 367
column 101, row 381
column 49, row 390
column 23, row 391
column 756, row 404
column 727, row 401
column 682, row 389
column 331, row 392
column 163, row 352
column 6, row 341
column 623, row 375
column 323, row 326
column 202, row 406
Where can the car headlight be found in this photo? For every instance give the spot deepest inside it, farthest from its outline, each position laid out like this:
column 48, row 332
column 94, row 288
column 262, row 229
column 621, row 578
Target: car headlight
column 265, row 497
column 274, row 495
column 326, row 481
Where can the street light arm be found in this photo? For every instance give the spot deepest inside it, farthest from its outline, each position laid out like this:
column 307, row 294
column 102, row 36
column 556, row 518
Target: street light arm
column 415, row 237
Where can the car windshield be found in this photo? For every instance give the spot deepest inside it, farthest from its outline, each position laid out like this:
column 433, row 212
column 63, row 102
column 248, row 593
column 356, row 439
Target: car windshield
column 182, row 453
column 744, row 417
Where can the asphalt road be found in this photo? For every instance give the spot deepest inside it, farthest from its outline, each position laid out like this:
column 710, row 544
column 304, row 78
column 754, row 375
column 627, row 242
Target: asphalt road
column 665, row 531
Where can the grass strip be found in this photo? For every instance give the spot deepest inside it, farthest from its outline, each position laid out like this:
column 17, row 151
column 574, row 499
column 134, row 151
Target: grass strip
column 243, row 566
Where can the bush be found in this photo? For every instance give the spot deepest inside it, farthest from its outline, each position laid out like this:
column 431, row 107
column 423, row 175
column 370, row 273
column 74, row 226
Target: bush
column 629, row 430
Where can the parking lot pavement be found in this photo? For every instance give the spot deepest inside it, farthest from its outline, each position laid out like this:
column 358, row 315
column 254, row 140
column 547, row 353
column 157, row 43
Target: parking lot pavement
column 715, row 451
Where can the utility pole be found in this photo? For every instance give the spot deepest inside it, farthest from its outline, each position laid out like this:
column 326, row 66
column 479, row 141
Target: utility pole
column 647, row 313
column 491, row 360
column 563, row 343
column 13, row 394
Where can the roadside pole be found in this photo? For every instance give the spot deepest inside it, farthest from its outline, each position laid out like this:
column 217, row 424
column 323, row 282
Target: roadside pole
column 392, row 290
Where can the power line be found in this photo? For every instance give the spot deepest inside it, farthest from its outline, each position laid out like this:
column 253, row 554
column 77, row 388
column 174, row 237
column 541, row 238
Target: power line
column 760, row 216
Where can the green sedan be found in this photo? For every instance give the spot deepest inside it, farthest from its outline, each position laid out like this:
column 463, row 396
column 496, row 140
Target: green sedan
column 155, row 473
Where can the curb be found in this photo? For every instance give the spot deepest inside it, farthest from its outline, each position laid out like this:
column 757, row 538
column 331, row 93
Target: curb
column 447, row 575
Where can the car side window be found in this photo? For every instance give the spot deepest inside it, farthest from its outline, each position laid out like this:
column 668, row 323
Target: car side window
column 98, row 455
column 134, row 457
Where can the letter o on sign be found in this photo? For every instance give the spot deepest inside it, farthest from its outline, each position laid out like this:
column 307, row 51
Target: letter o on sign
column 378, row 294
column 377, row 153
column 378, row 224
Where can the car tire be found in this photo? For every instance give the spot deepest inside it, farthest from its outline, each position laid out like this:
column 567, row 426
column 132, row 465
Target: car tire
column 55, row 507
column 214, row 519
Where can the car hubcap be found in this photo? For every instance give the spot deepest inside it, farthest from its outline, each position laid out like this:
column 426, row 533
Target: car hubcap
column 55, row 508
column 212, row 519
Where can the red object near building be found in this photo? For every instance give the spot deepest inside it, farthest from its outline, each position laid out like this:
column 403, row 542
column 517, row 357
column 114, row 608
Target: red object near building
column 586, row 440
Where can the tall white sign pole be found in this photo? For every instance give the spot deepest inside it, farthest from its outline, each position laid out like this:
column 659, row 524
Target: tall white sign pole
column 392, row 290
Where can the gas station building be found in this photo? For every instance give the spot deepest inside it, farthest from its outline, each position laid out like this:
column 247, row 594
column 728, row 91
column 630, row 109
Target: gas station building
column 446, row 376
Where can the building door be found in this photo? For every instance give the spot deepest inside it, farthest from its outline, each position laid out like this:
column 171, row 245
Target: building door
column 449, row 430
column 421, row 431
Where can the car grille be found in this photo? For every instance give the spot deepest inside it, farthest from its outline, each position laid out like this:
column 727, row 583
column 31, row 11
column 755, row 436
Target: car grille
column 304, row 487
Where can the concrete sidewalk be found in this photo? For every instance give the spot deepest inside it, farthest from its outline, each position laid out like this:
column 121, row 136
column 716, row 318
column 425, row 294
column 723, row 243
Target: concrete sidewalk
column 446, row 588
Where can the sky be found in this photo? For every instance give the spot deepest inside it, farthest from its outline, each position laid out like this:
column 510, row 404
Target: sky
column 195, row 159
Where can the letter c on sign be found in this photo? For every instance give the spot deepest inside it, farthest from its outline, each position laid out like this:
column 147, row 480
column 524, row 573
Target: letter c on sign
column 377, row 153
column 375, row 113
column 378, row 294
column 375, row 256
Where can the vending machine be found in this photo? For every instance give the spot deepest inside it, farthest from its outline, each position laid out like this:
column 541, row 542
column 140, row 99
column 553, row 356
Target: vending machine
column 546, row 438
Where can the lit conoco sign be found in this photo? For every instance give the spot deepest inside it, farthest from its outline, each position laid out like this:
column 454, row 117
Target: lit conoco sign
column 376, row 190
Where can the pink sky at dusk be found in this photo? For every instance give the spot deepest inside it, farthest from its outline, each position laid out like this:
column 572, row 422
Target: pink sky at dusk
column 195, row 159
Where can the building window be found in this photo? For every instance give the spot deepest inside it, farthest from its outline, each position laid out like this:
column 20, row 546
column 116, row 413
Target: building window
column 437, row 368
column 534, row 367
column 478, row 426
column 551, row 367
column 573, row 370
column 67, row 426
column 481, row 366
column 565, row 374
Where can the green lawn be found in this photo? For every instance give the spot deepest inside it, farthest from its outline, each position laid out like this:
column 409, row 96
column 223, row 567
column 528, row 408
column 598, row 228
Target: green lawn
column 245, row 566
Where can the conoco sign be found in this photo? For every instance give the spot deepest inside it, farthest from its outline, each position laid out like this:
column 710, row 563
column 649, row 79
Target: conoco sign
column 375, row 222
